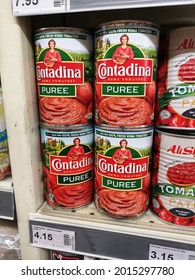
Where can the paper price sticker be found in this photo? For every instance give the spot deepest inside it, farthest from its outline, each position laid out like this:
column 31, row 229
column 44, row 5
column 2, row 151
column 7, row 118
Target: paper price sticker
column 52, row 238
column 35, row 7
column 166, row 253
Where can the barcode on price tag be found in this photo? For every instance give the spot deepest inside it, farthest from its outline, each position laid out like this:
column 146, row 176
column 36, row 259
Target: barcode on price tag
column 51, row 238
column 36, row 7
column 166, row 253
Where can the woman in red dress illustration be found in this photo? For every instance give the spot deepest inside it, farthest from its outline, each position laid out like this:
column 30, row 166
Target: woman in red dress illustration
column 123, row 52
column 122, row 154
column 52, row 56
column 75, row 151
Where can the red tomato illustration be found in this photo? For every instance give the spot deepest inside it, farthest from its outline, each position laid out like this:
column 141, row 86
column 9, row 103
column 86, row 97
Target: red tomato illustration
column 165, row 117
column 85, row 92
column 165, row 215
column 181, row 221
column 178, row 121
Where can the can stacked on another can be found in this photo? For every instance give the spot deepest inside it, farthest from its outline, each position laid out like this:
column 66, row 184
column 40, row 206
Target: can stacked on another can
column 125, row 89
column 173, row 178
column 65, row 97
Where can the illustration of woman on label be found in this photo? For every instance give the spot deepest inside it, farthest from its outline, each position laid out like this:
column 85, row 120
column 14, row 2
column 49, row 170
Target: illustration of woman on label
column 52, row 56
column 123, row 52
column 76, row 151
column 122, row 154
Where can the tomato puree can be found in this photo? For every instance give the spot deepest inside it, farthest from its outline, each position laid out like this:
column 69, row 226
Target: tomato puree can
column 64, row 75
column 176, row 80
column 173, row 178
column 122, row 171
column 67, row 156
column 126, row 54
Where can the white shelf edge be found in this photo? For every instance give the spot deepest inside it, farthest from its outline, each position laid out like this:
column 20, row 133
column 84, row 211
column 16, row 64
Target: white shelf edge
column 148, row 226
column 6, row 184
column 79, row 6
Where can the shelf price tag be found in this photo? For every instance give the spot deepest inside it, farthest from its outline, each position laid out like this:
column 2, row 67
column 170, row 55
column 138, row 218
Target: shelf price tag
column 166, row 253
column 36, row 7
column 52, row 238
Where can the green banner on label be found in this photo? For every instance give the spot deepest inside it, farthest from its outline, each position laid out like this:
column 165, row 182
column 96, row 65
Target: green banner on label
column 177, row 92
column 57, row 90
column 123, row 90
column 171, row 190
column 125, row 185
column 75, row 179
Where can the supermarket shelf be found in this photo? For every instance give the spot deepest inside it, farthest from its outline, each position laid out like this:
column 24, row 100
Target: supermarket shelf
column 7, row 205
column 61, row 6
column 99, row 235
column 89, row 5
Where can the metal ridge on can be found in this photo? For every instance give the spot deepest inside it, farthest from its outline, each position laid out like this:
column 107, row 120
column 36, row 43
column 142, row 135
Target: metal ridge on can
column 126, row 22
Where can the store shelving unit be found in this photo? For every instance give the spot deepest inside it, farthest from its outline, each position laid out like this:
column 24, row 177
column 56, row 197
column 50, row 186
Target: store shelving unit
column 95, row 234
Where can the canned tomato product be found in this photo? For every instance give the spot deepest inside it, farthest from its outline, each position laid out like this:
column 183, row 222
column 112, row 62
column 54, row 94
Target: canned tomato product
column 173, row 178
column 122, row 171
column 125, row 76
column 176, row 80
column 5, row 165
column 67, row 165
column 64, row 74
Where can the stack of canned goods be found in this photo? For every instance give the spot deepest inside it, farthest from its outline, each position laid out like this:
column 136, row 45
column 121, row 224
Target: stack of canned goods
column 64, row 76
column 173, row 179
column 125, row 87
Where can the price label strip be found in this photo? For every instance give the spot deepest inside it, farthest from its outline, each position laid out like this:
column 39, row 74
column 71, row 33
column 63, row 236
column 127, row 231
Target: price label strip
column 166, row 253
column 50, row 238
column 37, row 7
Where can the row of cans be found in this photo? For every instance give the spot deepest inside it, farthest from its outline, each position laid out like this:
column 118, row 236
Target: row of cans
column 117, row 67
column 122, row 166
column 123, row 85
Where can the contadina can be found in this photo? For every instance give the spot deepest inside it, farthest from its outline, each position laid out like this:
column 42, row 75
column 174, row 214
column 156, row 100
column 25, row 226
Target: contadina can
column 176, row 80
column 126, row 54
column 122, row 171
column 67, row 165
column 173, row 178
column 64, row 74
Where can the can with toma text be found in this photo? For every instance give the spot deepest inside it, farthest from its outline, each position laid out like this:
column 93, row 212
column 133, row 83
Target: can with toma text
column 173, row 178
column 175, row 108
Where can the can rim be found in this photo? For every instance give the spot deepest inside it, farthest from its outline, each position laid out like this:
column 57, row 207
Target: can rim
column 175, row 133
column 66, row 128
column 125, row 22
column 61, row 29
column 182, row 28
column 124, row 129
